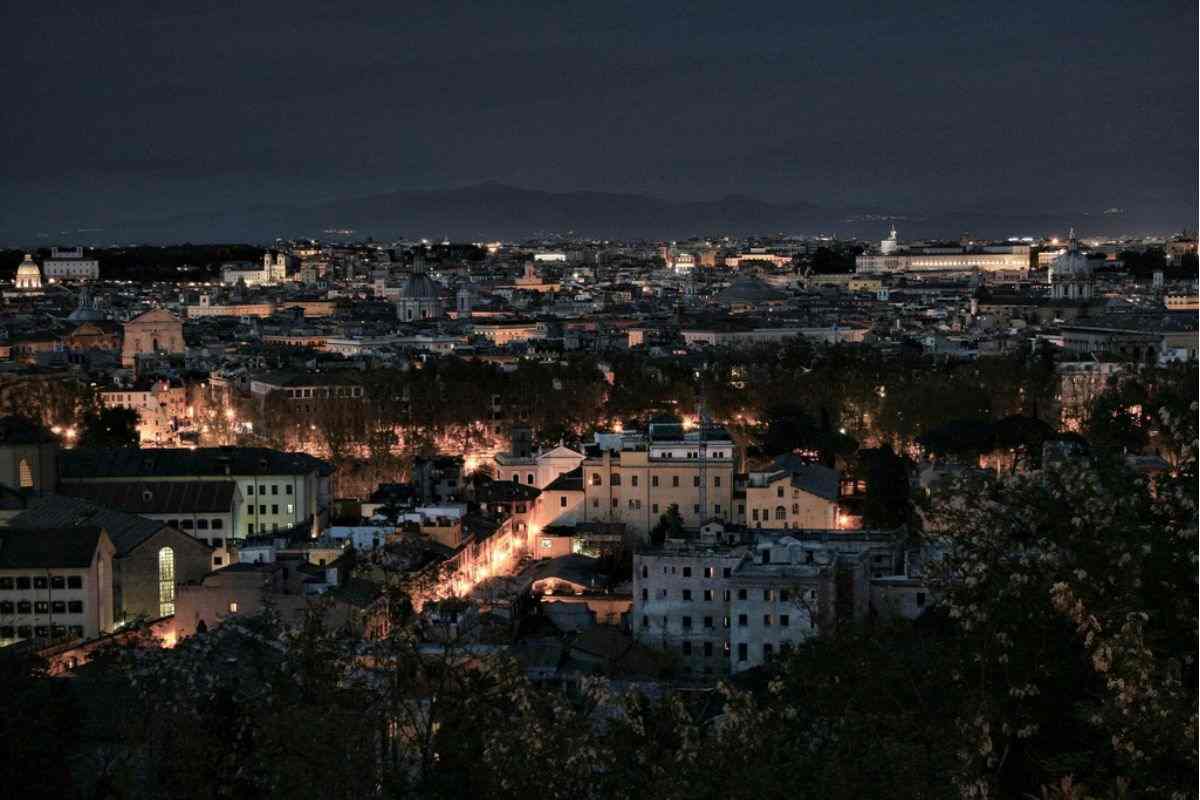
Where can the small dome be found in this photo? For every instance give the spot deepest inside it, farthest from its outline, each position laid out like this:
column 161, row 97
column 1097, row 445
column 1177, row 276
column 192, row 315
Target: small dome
column 1073, row 263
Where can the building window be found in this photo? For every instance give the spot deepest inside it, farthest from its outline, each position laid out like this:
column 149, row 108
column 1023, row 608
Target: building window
column 768, row 651
column 262, row 509
column 717, row 481
column 595, row 479
column 645, row 595
column 274, row 509
column 58, row 607
column 654, row 481
column 687, row 623
column 675, row 481
column 58, row 582
column 40, row 582
column 25, row 474
column 7, row 607
column 654, row 508
column 250, row 509
column 687, row 594
column 708, row 595
column 920, row 599
column 201, row 524
column 780, row 512
column 287, row 489
column 779, row 492
column 743, row 620
column 741, row 594
column 795, row 508
column 24, row 607
column 645, row 622
column 633, row 480
column 166, row 582
column 743, row 651
column 6, row 584
column 767, row 596
column 767, row 620
column 291, row 509
column 218, row 524
column 562, row 501
column 615, row 479
column 708, row 649
column 529, row 479
column 696, row 481
column 687, row 572
column 274, row 488
column 250, row 488
column 687, row 648
column 645, row 571
column 784, row 620
column 41, row 607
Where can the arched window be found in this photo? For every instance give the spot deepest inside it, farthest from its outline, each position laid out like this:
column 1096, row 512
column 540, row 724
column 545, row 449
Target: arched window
column 25, row 474
column 529, row 479
column 166, row 582
column 780, row 512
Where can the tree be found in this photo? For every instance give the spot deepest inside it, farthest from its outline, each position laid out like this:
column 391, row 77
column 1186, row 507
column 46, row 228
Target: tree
column 1072, row 590
column 669, row 526
column 110, row 427
column 888, row 501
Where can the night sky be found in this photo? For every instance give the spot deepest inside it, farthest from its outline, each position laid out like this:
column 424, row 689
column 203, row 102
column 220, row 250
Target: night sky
column 121, row 111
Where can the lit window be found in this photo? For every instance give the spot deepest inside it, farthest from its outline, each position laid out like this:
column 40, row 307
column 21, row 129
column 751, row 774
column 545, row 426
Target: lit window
column 26, row 474
column 233, row 606
column 166, row 582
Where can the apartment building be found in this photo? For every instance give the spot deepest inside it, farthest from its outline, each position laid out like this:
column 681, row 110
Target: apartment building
column 634, row 477
column 279, row 490
column 55, row 584
column 728, row 600
column 790, row 494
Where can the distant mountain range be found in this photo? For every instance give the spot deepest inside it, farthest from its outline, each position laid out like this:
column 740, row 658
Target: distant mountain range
column 491, row 210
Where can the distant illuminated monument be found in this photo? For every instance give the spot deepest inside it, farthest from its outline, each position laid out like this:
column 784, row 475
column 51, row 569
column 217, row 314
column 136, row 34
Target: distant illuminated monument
column 29, row 276
column 1071, row 274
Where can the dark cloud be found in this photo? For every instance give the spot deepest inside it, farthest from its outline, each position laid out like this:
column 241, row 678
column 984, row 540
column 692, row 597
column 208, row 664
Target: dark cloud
column 116, row 109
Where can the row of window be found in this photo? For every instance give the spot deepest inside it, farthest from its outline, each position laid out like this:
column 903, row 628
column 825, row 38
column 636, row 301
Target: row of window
column 768, row 595
column 40, row 631
column 743, row 649
column 636, row 505
column 780, row 512
column 709, row 572
column 21, row 582
column 8, row 607
column 262, row 509
column 615, row 480
column 743, row 621
column 215, row 524
column 263, row 488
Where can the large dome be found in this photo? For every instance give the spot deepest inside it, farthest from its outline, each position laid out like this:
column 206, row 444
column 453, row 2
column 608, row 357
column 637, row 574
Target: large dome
column 29, row 276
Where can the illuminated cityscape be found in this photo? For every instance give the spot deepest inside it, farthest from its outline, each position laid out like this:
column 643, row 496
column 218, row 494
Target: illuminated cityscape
column 777, row 453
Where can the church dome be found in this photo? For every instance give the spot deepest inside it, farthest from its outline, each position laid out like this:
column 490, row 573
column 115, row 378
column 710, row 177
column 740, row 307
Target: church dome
column 87, row 311
column 1071, row 264
column 420, row 286
column 29, row 276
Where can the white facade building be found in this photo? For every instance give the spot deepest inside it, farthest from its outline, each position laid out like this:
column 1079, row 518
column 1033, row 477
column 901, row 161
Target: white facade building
column 69, row 264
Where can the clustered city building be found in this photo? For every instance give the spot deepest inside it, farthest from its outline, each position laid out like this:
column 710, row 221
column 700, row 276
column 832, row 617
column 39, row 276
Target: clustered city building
column 734, row 559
